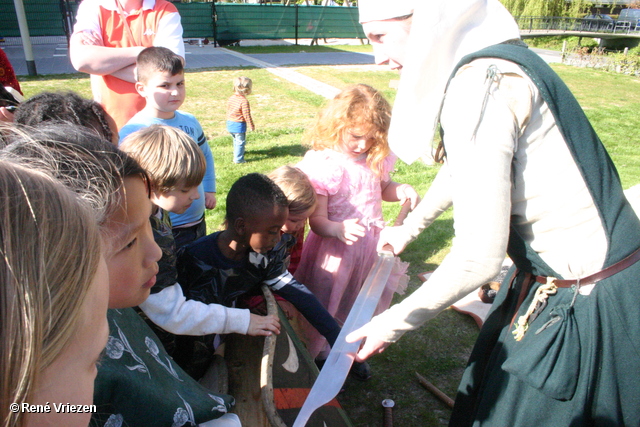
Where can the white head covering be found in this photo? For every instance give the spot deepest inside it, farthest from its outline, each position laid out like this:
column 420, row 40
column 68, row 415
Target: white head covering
column 442, row 32
column 16, row 95
column 379, row 10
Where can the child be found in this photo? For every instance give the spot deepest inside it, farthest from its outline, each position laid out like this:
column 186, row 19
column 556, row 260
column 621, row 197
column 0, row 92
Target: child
column 53, row 296
column 176, row 167
column 70, row 107
column 302, row 202
column 349, row 168
column 160, row 75
column 250, row 251
column 239, row 116
column 135, row 373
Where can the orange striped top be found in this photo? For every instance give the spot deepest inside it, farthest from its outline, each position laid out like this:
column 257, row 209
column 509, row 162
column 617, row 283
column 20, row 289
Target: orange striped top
column 238, row 110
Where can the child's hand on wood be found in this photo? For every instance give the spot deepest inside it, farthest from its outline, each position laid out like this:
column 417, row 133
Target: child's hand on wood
column 351, row 231
column 263, row 325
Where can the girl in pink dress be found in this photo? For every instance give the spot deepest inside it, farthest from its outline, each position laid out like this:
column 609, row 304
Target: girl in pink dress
column 349, row 167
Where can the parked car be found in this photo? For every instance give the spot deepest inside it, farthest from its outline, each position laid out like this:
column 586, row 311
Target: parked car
column 597, row 22
column 631, row 16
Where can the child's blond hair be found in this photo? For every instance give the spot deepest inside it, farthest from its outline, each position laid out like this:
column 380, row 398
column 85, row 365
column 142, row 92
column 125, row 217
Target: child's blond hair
column 242, row 85
column 51, row 248
column 296, row 186
column 170, row 157
column 358, row 107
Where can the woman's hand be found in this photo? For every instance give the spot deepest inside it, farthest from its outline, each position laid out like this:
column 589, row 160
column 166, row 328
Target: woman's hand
column 396, row 237
column 370, row 346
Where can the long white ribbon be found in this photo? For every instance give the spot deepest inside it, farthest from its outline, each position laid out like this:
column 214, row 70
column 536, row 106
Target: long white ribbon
column 336, row 368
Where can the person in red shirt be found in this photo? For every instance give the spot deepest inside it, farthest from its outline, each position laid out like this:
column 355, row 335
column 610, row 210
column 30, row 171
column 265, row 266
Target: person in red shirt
column 106, row 40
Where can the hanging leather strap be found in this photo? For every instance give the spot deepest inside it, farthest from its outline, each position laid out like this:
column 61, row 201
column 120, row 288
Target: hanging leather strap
column 125, row 22
column 596, row 277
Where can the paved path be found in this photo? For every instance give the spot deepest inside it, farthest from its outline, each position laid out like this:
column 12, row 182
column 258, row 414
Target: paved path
column 52, row 58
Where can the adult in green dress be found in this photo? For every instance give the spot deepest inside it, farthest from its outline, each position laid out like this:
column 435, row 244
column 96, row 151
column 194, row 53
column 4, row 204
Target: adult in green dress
column 561, row 344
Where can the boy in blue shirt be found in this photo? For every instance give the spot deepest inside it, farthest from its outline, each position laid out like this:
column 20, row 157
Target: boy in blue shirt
column 160, row 80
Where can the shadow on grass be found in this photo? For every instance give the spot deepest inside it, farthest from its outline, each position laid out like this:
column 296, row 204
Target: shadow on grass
column 40, row 77
column 277, row 151
column 299, row 49
column 431, row 241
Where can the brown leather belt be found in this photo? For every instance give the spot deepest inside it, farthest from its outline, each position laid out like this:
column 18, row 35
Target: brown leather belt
column 596, row 277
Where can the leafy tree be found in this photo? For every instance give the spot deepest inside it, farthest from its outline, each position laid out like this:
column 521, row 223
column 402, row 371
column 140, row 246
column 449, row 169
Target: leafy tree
column 575, row 8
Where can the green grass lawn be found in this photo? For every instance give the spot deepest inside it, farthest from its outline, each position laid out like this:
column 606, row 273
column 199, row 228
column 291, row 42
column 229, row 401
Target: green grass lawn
column 282, row 111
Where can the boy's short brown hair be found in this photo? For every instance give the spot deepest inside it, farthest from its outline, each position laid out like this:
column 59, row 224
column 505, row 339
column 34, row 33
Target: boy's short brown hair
column 157, row 58
column 297, row 187
column 170, row 157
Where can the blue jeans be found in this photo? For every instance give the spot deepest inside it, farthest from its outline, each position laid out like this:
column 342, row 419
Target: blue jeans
column 239, row 141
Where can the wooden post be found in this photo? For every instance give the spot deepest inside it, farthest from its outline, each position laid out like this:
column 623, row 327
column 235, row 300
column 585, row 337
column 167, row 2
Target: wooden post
column 433, row 389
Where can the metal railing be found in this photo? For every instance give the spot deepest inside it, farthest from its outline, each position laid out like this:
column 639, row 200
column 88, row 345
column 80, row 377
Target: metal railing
column 562, row 24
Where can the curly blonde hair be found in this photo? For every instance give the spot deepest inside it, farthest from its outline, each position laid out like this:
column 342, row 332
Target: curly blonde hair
column 358, row 107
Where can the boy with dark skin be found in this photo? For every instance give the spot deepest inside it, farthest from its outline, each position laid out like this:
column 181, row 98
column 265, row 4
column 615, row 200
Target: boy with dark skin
column 251, row 251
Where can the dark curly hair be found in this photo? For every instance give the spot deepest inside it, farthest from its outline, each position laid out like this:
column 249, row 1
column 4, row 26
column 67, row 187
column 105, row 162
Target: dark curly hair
column 64, row 107
column 252, row 195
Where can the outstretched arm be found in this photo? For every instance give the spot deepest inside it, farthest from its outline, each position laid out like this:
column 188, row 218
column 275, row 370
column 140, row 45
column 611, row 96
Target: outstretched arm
column 481, row 196
column 435, row 202
column 395, row 192
column 307, row 304
column 170, row 310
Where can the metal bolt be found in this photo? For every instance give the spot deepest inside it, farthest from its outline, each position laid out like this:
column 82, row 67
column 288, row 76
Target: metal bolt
column 388, row 405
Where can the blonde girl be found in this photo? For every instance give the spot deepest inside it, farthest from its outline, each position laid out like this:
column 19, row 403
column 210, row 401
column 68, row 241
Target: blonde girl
column 53, row 298
column 302, row 203
column 239, row 116
column 349, row 167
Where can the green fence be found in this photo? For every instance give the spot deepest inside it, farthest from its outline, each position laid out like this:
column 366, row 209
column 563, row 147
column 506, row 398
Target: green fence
column 220, row 21
column 248, row 21
column 44, row 17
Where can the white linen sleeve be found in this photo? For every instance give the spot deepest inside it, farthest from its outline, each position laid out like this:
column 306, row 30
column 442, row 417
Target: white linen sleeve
column 480, row 140
column 169, row 34
column 88, row 18
column 170, row 310
column 436, row 200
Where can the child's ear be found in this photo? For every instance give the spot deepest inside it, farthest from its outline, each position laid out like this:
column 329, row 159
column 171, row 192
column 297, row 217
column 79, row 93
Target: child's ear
column 140, row 88
column 239, row 226
column 154, row 194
